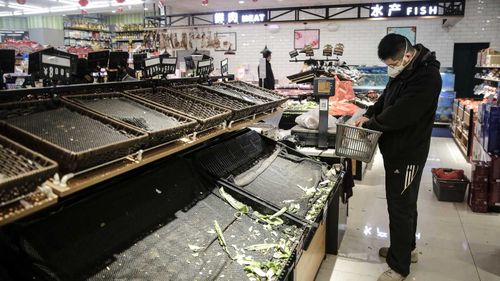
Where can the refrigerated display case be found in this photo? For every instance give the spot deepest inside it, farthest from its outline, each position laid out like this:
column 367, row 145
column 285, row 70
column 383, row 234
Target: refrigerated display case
column 446, row 97
column 374, row 78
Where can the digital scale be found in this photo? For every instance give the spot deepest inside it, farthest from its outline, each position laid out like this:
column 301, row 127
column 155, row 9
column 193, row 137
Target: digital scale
column 324, row 88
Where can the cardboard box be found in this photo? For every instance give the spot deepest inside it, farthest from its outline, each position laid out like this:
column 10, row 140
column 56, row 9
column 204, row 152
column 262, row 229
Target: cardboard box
column 480, row 172
column 494, row 194
column 494, row 168
column 492, row 60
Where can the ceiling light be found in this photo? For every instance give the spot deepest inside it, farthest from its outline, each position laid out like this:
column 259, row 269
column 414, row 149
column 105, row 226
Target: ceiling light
column 23, row 7
column 113, row 11
column 145, row 9
column 68, row 2
column 241, row 2
column 63, row 9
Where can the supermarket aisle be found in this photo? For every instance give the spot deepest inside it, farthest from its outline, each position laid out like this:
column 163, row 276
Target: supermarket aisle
column 454, row 243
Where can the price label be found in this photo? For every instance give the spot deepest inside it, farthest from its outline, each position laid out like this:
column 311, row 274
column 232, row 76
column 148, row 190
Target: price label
column 169, row 65
column 55, row 67
column 224, row 67
column 204, row 68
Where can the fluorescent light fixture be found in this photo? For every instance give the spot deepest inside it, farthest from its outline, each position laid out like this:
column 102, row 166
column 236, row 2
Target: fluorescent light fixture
column 34, row 12
column 69, row 2
column 63, row 9
column 241, row 2
column 94, row 5
column 23, row 7
column 129, row 2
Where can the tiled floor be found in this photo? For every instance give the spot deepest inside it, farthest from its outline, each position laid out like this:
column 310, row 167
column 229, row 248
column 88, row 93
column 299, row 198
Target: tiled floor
column 454, row 244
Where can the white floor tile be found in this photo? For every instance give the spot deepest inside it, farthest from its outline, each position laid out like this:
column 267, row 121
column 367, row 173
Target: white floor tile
column 455, row 244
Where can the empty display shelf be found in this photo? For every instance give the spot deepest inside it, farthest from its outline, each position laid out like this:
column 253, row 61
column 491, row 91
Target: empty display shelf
column 257, row 90
column 270, row 171
column 240, row 107
column 158, row 224
column 75, row 138
column 208, row 115
column 161, row 124
column 21, row 170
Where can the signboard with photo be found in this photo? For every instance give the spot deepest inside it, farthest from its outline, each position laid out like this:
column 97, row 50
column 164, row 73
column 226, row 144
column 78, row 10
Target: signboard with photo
column 409, row 32
column 225, row 40
column 305, row 37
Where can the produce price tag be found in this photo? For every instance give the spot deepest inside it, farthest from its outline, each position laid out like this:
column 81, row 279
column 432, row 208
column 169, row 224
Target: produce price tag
column 55, row 67
column 169, row 65
column 152, row 67
column 224, row 67
column 204, row 68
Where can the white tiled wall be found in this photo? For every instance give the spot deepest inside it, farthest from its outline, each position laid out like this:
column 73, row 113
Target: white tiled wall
column 360, row 38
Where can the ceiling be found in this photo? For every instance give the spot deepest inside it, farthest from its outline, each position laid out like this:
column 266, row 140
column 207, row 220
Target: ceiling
column 46, row 7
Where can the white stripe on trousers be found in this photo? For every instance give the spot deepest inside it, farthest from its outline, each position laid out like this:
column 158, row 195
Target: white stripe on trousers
column 411, row 172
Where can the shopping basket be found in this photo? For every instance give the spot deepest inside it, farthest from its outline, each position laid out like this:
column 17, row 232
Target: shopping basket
column 356, row 143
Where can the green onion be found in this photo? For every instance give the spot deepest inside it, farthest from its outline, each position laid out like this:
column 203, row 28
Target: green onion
column 233, row 202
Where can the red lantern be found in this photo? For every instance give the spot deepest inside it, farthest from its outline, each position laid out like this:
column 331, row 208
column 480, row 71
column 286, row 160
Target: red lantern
column 83, row 3
column 120, row 1
column 22, row 2
column 204, row 2
column 119, row 10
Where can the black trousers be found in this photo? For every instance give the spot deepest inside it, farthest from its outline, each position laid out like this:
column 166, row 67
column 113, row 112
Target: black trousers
column 402, row 182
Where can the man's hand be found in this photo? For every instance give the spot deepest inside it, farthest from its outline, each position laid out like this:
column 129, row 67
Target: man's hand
column 360, row 121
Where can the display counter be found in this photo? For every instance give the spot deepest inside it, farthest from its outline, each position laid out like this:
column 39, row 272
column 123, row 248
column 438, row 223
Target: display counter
column 160, row 211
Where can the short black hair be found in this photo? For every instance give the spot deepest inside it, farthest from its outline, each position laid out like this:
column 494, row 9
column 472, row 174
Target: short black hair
column 266, row 54
column 392, row 46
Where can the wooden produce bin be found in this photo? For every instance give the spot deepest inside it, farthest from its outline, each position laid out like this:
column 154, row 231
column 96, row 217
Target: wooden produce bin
column 310, row 261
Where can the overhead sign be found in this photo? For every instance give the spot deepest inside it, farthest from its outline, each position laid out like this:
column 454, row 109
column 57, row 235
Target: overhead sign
column 240, row 17
column 403, row 9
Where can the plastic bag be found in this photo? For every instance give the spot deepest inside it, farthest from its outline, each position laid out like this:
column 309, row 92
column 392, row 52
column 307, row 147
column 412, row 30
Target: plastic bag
column 343, row 90
column 310, row 120
column 355, row 117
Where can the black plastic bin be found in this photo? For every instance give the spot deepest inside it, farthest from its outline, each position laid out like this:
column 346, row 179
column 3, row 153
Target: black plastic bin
column 450, row 190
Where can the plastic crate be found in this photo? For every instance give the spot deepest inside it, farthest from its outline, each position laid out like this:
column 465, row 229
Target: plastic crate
column 450, row 190
column 356, row 143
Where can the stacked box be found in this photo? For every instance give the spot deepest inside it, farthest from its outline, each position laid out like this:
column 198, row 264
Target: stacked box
column 476, row 204
column 494, row 194
column 478, row 193
column 492, row 129
column 494, row 179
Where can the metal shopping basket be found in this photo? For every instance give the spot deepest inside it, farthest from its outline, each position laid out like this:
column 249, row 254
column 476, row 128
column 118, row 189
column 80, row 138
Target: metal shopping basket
column 356, row 143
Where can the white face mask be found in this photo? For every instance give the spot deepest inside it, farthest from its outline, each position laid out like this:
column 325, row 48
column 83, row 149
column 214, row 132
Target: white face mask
column 394, row 71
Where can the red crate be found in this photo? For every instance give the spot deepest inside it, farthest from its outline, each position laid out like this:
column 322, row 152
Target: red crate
column 479, row 186
column 494, row 194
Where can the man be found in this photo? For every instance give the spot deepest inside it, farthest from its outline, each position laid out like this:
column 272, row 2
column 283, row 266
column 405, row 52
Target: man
column 404, row 114
column 269, row 80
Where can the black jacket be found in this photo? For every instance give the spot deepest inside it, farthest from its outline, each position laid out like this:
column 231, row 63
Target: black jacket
column 269, row 81
column 405, row 111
